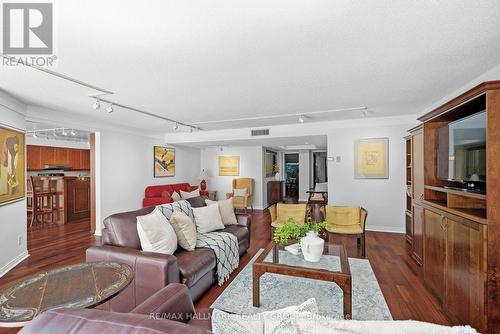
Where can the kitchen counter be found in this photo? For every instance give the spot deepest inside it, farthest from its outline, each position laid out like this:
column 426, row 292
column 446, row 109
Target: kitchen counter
column 73, row 198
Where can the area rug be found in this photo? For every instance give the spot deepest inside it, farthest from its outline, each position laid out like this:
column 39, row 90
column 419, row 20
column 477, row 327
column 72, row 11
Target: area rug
column 278, row 291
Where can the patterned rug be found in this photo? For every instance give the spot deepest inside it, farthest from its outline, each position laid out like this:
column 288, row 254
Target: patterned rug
column 278, row 291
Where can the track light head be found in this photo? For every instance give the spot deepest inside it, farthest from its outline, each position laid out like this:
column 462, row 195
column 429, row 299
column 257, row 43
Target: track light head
column 364, row 113
column 109, row 108
column 96, row 104
column 73, row 132
column 35, row 135
column 301, row 119
column 176, row 126
column 64, row 133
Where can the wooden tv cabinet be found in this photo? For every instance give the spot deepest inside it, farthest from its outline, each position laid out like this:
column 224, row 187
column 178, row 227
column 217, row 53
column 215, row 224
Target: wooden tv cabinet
column 461, row 230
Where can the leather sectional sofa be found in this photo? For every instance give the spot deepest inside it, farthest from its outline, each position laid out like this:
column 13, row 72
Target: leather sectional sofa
column 151, row 316
column 153, row 271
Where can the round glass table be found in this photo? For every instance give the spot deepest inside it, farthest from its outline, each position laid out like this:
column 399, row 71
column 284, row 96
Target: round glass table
column 76, row 286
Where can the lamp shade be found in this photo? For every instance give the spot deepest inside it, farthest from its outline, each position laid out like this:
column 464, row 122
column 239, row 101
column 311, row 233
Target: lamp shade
column 203, row 174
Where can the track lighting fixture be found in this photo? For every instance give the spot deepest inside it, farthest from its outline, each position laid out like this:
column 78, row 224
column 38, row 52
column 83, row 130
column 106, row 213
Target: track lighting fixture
column 35, row 135
column 110, row 109
column 97, row 104
column 64, row 133
column 176, row 126
column 73, row 132
column 301, row 119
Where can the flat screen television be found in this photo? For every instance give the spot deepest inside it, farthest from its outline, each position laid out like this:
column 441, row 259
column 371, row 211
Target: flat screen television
column 462, row 149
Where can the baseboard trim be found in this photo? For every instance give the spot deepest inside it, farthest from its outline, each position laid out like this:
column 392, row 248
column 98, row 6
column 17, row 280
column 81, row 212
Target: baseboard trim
column 14, row 262
column 388, row 229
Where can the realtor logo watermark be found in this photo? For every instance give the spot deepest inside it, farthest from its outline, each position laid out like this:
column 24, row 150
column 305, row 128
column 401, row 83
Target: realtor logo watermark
column 28, row 34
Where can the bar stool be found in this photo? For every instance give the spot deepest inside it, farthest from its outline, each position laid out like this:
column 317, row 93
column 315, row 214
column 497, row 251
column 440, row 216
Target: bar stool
column 40, row 200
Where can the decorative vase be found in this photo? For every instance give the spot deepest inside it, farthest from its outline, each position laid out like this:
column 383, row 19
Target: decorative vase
column 277, row 176
column 312, row 246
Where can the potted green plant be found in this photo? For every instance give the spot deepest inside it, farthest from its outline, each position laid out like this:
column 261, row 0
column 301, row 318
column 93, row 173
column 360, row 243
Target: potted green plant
column 308, row 234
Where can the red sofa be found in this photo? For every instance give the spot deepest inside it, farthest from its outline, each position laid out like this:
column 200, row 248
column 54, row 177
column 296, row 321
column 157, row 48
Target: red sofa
column 157, row 195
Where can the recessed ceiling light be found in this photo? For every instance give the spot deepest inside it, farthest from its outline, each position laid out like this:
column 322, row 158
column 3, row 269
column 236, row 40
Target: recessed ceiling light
column 96, row 104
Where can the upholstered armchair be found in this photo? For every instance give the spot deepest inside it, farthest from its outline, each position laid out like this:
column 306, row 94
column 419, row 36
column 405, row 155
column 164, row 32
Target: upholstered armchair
column 281, row 212
column 242, row 193
column 346, row 220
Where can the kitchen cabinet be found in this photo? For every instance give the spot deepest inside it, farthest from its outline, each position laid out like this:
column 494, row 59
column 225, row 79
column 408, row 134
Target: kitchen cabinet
column 33, row 154
column 40, row 156
column 47, row 155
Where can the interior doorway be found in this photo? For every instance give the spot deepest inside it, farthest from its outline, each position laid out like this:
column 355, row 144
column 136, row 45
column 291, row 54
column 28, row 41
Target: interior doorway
column 291, row 178
column 320, row 172
column 60, row 182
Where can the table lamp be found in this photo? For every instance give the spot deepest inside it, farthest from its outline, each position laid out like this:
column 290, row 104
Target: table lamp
column 203, row 177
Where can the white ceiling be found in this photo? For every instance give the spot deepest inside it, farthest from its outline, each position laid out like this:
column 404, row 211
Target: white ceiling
column 196, row 61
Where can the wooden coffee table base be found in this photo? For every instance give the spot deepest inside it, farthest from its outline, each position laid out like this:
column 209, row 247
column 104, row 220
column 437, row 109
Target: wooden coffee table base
column 342, row 279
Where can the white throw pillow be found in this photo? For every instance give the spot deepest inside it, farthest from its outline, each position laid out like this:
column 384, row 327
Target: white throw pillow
column 208, row 219
column 226, row 210
column 156, row 234
column 185, row 230
column 190, row 194
column 175, row 196
column 239, row 192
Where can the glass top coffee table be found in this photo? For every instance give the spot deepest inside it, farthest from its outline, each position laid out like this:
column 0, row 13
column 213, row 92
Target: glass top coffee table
column 332, row 267
column 76, row 286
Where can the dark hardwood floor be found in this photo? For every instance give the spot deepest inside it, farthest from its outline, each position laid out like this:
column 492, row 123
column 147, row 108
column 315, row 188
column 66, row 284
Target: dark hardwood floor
column 398, row 275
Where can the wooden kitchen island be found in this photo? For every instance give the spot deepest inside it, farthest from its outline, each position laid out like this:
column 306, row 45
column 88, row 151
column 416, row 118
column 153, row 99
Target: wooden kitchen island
column 72, row 199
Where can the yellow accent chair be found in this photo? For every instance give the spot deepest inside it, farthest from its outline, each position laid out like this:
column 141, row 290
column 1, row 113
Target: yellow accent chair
column 281, row 212
column 347, row 220
column 242, row 201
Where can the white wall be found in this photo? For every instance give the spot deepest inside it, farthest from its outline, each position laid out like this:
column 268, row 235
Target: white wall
column 13, row 215
column 304, row 174
column 251, row 165
column 383, row 198
column 127, row 169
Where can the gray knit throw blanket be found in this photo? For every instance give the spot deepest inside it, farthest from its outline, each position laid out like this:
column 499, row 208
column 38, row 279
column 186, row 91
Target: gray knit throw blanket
column 225, row 247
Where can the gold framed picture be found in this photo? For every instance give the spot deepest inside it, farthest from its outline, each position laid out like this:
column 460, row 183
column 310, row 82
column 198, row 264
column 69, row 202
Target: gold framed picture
column 229, row 165
column 164, row 161
column 371, row 158
column 12, row 162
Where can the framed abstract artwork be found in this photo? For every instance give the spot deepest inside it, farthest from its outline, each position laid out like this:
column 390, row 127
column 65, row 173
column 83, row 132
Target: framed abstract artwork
column 371, row 158
column 164, row 161
column 229, row 165
column 12, row 165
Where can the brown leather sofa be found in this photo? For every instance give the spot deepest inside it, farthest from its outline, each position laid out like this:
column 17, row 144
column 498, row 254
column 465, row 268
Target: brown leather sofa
column 169, row 310
column 153, row 271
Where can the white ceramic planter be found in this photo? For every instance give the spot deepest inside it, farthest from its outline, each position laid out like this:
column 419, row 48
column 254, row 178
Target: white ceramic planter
column 312, row 246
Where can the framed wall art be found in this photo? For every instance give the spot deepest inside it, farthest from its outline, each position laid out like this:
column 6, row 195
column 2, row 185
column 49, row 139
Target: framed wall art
column 229, row 165
column 12, row 165
column 371, row 158
column 164, row 161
